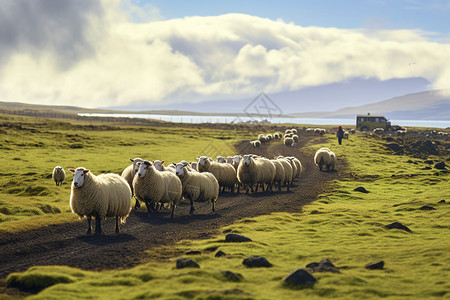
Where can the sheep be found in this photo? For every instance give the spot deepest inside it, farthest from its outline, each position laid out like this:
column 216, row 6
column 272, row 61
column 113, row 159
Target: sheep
column 224, row 173
column 295, row 138
column 194, row 165
column 262, row 138
column 378, row 131
column 105, row 195
column 269, row 137
column 198, row 187
column 255, row 144
column 332, row 161
column 155, row 187
column 58, row 175
column 277, row 135
column 353, row 131
column 255, row 171
column 229, row 160
column 346, row 134
column 128, row 175
column 279, row 173
column 236, row 161
column 288, row 171
column 288, row 141
column 310, row 131
column 322, row 131
column 298, row 165
column 294, row 131
column 220, row 159
column 323, row 157
column 159, row 165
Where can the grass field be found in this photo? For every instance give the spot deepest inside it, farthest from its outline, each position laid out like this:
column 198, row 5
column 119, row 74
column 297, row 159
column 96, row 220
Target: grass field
column 343, row 225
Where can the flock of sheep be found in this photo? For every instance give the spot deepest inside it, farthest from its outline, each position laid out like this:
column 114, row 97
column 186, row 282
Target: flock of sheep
column 158, row 186
column 290, row 138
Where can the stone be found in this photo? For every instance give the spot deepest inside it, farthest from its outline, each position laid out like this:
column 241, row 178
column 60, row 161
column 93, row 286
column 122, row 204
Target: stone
column 236, row 238
column 440, row 165
column 426, row 168
column 441, row 201
column 427, row 207
column 375, row 265
column 325, row 265
column 428, row 161
column 398, row 225
column 409, row 161
column 220, row 253
column 186, row 263
column 193, row 252
column 300, row 277
column 361, row 189
column 256, row 262
column 231, row 276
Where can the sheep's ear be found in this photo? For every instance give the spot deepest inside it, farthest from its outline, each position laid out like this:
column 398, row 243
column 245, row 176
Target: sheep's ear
column 174, row 164
column 162, row 162
column 72, row 171
column 132, row 160
column 85, row 171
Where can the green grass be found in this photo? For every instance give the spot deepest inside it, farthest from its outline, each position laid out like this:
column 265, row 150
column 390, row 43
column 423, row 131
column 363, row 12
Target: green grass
column 30, row 148
column 344, row 226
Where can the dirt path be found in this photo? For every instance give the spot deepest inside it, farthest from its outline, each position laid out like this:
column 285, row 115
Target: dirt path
column 66, row 244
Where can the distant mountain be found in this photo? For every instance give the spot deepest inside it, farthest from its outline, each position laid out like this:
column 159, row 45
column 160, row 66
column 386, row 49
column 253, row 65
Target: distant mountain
column 330, row 97
column 430, row 105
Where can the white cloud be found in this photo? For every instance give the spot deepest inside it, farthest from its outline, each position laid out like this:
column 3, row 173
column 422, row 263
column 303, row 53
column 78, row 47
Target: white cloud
column 156, row 61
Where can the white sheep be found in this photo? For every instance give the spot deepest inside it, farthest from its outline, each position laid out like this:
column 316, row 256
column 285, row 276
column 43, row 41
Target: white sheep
column 256, row 143
column 194, row 165
column 155, row 187
column 298, row 164
column 288, row 172
column 288, row 141
column 58, row 175
column 323, row 157
column 279, row 173
column 105, row 195
column 224, row 173
column 220, row 159
column 346, row 134
column 159, row 165
column 198, row 187
column 255, row 171
column 295, row 138
column 128, row 175
column 229, row 160
column 333, row 160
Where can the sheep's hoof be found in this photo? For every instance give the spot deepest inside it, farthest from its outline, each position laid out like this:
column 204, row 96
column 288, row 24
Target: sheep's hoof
column 191, row 212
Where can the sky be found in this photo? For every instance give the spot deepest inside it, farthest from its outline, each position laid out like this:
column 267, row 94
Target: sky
column 101, row 53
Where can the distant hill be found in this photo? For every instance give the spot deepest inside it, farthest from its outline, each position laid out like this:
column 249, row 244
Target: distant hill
column 430, row 105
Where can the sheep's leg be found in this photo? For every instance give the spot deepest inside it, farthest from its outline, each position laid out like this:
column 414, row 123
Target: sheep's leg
column 191, row 211
column 213, row 208
column 173, row 210
column 117, row 224
column 89, row 230
column 138, row 204
column 287, row 185
column 328, row 168
column 279, row 186
column 256, row 188
column 98, row 225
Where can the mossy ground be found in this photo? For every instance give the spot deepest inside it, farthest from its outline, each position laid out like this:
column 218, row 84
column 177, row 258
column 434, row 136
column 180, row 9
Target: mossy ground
column 344, row 226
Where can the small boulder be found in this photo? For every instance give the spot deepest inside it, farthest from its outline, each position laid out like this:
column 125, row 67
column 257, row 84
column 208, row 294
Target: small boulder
column 441, row 201
column 398, row 225
column 409, row 161
column 361, row 189
column 186, row 263
column 426, row 168
column 375, row 265
column 440, row 165
column 231, row 276
column 256, row 262
column 300, row 277
column 427, row 207
column 325, row 265
column 193, row 252
column 236, row 238
column 220, row 253
column 428, row 161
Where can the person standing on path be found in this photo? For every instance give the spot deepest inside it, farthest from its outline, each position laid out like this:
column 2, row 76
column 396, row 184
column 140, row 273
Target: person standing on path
column 340, row 135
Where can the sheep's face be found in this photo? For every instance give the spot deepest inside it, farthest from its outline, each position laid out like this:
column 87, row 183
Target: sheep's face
column 159, row 165
column 220, row 159
column 136, row 163
column 229, row 160
column 179, row 170
column 78, row 176
column 246, row 160
column 236, row 159
column 143, row 168
column 202, row 160
column 194, row 165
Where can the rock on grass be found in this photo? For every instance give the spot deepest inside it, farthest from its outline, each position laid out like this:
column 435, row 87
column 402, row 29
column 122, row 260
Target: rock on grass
column 236, row 238
column 398, row 225
column 300, row 278
column 256, row 262
column 186, row 263
column 361, row 189
column 375, row 265
column 325, row 265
